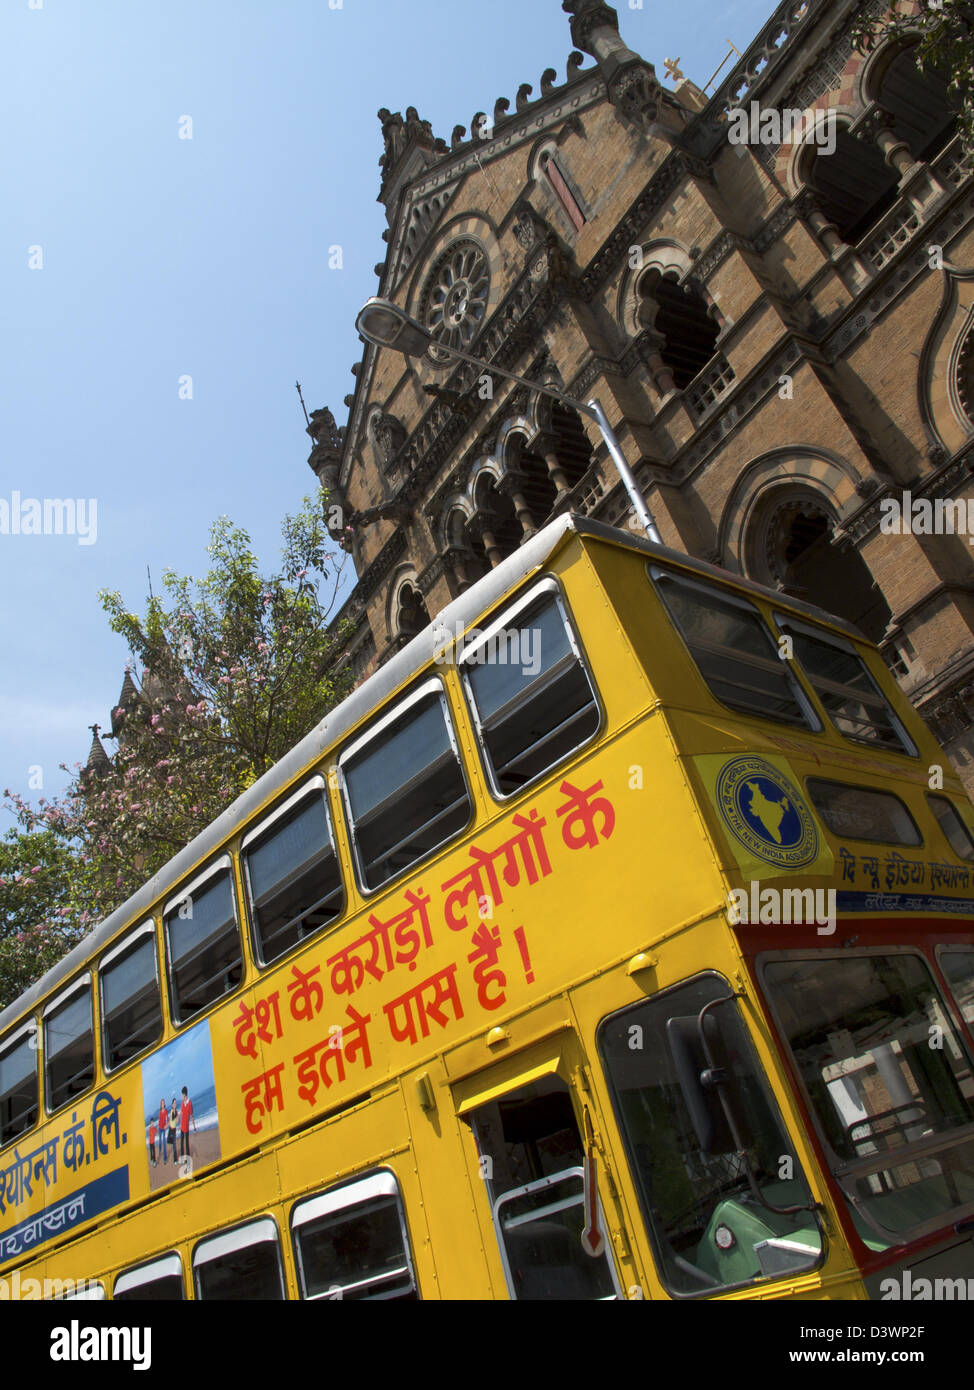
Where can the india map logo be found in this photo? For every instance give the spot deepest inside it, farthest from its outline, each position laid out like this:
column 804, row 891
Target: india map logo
column 762, row 809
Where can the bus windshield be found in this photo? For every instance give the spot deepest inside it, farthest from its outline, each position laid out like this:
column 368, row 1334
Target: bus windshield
column 888, row 1080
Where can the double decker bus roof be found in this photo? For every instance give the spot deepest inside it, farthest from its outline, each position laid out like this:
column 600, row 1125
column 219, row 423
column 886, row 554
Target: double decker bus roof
column 528, row 559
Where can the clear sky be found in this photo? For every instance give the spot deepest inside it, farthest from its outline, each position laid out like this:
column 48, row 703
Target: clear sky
column 163, row 257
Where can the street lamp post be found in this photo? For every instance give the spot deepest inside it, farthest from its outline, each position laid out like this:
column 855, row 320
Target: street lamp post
column 386, row 325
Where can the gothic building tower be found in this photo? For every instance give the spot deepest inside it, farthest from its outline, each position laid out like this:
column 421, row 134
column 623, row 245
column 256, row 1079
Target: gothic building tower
column 770, row 290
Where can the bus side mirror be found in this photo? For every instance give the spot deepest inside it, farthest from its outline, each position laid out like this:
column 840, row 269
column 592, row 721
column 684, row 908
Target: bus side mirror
column 708, row 1087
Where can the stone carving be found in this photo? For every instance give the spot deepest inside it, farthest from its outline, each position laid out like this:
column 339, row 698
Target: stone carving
column 587, row 17
column 388, row 436
column 526, row 228
column 522, row 100
column 398, row 134
column 637, row 93
column 552, row 265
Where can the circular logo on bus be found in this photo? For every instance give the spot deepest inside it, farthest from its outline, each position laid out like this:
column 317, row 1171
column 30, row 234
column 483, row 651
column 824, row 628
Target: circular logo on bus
column 765, row 811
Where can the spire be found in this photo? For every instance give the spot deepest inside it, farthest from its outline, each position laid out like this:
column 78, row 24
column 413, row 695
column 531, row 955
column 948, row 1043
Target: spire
column 127, row 699
column 631, row 81
column 98, row 760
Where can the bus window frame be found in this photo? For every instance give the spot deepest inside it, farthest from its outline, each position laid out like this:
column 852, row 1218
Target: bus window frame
column 80, row 982
column 116, row 952
column 931, row 796
column 426, row 687
column 369, row 1178
column 782, row 1108
column 146, row 1266
column 946, row 948
column 29, row 1028
column 813, row 722
column 225, row 1234
column 838, row 1169
column 504, row 615
column 317, row 782
column 223, row 864
column 919, row 843
column 783, row 621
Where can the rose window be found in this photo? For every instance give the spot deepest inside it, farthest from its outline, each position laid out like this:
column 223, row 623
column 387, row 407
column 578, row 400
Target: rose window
column 455, row 301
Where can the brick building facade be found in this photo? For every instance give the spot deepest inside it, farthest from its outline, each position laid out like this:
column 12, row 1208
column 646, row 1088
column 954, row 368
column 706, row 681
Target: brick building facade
column 781, row 331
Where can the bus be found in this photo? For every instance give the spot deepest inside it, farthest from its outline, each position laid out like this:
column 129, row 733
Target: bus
column 612, row 941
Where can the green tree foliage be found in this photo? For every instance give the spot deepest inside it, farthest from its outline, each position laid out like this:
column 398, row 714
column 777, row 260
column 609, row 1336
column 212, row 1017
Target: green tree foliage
column 944, row 35
column 36, row 922
column 233, row 670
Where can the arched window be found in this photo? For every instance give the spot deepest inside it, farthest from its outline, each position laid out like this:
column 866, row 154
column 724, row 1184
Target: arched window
column 559, row 185
column 413, row 615
column 918, row 102
column 494, row 529
column 679, row 313
column 854, row 184
column 790, row 547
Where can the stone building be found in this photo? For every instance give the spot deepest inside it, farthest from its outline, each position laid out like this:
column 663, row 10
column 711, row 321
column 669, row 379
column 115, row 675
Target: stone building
column 770, row 290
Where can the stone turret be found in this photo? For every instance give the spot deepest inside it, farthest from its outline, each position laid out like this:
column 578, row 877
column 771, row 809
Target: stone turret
column 326, row 461
column 410, row 146
column 632, row 84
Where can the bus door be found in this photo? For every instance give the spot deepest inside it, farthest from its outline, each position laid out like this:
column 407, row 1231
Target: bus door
column 531, row 1147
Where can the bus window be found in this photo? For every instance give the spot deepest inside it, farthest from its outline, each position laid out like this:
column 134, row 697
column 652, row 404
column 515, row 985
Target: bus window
column 531, row 1157
column 734, row 650
column 840, row 679
column 721, row 1190
column 351, row 1243
column 241, row 1264
column 955, row 831
column 202, row 942
column 861, row 813
column 404, row 787
column 69, row 1045
column 131, row 1006
column 18, row 1084
column 161, row 1281
column 532, row 699
column 291, row 870
column 887, row 1078
column 957, row 963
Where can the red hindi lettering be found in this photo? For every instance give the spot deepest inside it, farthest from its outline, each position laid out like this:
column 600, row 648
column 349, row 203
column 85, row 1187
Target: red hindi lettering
column 307, row 996
column 487, row 941
column 416, row 1011
column 261, row 1096
column 579, row 828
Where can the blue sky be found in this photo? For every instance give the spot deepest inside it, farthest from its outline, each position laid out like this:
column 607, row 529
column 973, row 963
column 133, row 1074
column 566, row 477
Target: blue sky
column 164, row 257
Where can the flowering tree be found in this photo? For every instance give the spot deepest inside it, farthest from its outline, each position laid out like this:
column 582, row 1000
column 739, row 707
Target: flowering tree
column 36, row 925
column 232, row 670
column 943, row 31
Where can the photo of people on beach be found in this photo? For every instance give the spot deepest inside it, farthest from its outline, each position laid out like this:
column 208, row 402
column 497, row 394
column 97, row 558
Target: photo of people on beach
column 182, row 1127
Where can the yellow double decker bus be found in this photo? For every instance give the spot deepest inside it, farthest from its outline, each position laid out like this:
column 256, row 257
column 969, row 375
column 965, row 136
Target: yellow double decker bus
column 613, row 941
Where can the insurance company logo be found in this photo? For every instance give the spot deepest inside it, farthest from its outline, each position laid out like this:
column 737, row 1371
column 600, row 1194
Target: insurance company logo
column 766, row 813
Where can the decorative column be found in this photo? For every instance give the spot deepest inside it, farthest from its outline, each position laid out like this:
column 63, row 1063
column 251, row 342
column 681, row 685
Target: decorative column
column 546, row 447
column 854, row 272
column 511, row 485
column 481, row 525
column 462, row 562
